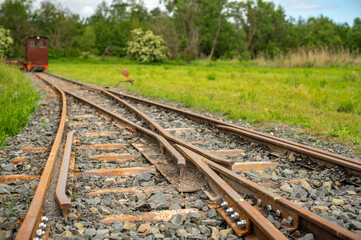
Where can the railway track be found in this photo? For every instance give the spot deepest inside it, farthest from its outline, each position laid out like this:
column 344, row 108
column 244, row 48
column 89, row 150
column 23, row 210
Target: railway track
column 135, row 161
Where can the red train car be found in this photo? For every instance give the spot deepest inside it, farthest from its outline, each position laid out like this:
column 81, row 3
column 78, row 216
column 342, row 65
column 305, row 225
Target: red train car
column 37, row 52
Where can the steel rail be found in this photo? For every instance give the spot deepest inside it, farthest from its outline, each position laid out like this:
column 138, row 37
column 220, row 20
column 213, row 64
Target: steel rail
column 154, row 125
column 266, row 139
column 263, row 228
column 260, row 226
column 348, row 164
column 60, row 191
column 162, row 142
column 33, row 216
column 303, row 219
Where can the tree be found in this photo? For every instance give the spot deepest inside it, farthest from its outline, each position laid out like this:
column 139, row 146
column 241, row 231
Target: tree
column 15, row 15
column 147, row 47
column 264, row 24
column 214, row 19
column 59, row 25
column 354, row 35
column 5, row 42
column 163, row 25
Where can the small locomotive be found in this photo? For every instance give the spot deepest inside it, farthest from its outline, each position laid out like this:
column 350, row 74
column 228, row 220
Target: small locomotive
column 37, row 52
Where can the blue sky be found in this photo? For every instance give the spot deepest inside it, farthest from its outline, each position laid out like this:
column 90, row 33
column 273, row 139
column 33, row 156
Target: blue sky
column 340, row 11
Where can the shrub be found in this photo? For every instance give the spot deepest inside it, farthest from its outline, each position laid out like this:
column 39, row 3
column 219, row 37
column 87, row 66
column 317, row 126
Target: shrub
column 5, row 42
column 147, row 47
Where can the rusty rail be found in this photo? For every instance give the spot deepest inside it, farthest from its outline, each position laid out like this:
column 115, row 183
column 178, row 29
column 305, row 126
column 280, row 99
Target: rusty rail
column 255, row 222
column 232, row 186
column 162, row 142
column 352, row 165
column 60, row 191
column 303, row 219
column 154, row 125
column 33, row 216
column 318, row 154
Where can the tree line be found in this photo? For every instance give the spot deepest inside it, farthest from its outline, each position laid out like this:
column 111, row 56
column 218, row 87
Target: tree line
column 191, row 29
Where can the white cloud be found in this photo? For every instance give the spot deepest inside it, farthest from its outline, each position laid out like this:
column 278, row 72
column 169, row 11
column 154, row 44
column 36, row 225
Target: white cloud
column 87, row 11
column 86, row 8
column 309, row 5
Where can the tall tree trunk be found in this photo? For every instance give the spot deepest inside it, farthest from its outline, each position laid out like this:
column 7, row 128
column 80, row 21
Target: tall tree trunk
column 216, row 37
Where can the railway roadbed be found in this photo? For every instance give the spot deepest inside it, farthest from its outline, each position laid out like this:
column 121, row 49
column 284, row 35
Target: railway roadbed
column 97, row 163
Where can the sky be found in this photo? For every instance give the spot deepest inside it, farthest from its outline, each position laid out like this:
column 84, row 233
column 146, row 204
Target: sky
column 339, row 10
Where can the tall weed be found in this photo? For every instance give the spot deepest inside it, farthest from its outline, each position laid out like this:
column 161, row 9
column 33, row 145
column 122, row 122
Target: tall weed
column 312, row 57
column 18, row 99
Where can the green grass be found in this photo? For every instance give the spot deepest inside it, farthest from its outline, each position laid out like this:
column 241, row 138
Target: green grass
column 324, row 101
column 18, row 99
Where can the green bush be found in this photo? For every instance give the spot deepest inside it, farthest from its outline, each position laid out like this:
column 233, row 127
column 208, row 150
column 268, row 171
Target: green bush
column 147, row 47
column 5, row 42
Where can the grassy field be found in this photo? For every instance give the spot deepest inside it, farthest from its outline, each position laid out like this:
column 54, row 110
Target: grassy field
column 324, row 101
column 18, row 99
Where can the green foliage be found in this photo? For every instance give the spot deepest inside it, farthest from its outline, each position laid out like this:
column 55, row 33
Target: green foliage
column 348, row 105
column 5, row 42
column 191, row 29
column 147, row 47
column 74, row 197
column 211, row 76
column 18, row 99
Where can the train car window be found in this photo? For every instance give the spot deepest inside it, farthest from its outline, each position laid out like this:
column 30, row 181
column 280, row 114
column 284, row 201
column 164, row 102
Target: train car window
column 42, row 44
column 32, row 43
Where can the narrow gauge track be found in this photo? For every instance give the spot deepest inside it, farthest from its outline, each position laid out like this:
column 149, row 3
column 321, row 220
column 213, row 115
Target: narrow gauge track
column 301, row 221
column 261, row 227
column 306, row 222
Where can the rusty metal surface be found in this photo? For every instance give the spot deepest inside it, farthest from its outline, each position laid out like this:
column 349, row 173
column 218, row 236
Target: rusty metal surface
column 325, row 156
column 20, row 177
column 157, row 216
column 163, row 142
column 110, row 146
column 33, row 149
column 122, row 157
column 37, row 55
column 19, row 160
column 255, row 166
column 34, row 213
column 306, row 220
column 155, row 125
column 228, row 152
column 260, row 226
column 132, row 190
column 123, row 172
column 350, row 163
column 190, row 181
column 60, row 191
column 100, row 133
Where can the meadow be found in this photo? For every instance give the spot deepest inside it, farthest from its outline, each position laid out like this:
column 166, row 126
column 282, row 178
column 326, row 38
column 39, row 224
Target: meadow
column 324, row 101
column 18, row 99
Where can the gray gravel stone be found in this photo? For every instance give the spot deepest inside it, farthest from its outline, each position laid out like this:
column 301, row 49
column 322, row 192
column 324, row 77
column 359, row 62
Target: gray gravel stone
column 177, row 219
column 194, row 218
column 308, row 236
column 118, row 226
column 212, row 213
column 174, row 206
column 198, row 204
column 355, row 224
column 159, row 198
column 287, row 173
column 90, row 232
